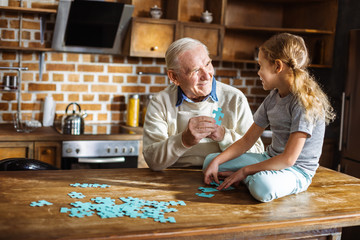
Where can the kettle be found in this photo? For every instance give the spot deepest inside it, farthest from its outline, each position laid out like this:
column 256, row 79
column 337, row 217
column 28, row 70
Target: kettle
column 73, row 123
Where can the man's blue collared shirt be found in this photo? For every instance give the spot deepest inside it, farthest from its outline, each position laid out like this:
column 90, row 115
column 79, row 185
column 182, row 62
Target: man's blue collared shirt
column 182, row 96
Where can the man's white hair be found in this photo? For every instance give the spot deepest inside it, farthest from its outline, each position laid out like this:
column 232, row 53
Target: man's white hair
column 177, row 48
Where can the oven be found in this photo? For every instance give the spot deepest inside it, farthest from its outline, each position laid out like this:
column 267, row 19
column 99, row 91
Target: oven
column 99, row 154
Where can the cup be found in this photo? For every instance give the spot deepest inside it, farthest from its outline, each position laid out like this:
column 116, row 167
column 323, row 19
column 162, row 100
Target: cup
column 25, row 123
column 6, row 82
column 13, row 82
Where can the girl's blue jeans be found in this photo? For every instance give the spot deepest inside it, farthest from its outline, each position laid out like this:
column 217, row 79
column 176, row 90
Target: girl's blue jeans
column 266, row 186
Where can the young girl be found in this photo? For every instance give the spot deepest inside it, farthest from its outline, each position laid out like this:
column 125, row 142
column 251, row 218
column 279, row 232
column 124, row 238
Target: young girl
column 296, row 110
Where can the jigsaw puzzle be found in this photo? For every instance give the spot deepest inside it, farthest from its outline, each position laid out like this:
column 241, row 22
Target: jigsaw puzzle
column 131, row 207
column 107, row 207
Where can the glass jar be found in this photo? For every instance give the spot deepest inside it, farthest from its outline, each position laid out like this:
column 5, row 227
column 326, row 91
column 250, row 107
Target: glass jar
column 133, row 109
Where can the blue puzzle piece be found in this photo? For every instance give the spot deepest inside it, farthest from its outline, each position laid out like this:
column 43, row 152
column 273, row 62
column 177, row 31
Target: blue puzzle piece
column 65, row 210
column 218, row 184
column 205, row 195
column 107, row 201
column 218, row 115
column 76, row 195
column 209, row 189
column 89, row 185
column 40, row 203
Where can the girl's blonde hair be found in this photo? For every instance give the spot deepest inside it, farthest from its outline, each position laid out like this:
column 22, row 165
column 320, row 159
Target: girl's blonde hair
column 291, row 50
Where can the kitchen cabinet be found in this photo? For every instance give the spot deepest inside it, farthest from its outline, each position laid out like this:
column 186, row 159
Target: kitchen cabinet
column 239, row 27
column 209, row 34
column 350, row 114
column 49, row 152
column 151, row 37
column 350, row 167
column 249, row 23
column 16, row 150
column 45, row 143
column 180, row 18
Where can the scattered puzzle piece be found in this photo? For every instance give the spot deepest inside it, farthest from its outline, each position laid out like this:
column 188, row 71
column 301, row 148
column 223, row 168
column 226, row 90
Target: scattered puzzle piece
column 218, row 115
column 76, row 195
column 205, row 195
column 208, row 189
column 107, row 208
column 89, row 185
column 40, row 203
column 218, row 184
column 131, row 207
column 211, row 189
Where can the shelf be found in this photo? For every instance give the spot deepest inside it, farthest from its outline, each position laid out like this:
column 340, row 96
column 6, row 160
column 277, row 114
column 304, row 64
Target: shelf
column 255, row 62
column 28, row 10
column 274, row 29
column 25, row 49
column 2, row 89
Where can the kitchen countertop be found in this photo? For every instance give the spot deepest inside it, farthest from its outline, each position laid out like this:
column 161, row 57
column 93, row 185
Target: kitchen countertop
column 8, row 133
column 331, row 202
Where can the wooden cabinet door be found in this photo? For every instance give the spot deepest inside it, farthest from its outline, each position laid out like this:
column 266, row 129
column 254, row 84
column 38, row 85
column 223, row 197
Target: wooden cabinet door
column 16, row 150
column 49, row 152
column 350, row 167
column 209, row 34
column 151, row 37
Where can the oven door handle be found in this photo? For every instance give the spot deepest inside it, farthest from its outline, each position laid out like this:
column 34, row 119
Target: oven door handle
column 101, row 160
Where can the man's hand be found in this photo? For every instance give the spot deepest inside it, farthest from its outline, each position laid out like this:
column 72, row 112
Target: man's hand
column 198, row 128
column 218, row 134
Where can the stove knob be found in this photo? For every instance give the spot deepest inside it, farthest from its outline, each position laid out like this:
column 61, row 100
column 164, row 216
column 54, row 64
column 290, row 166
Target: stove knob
column 124, row 149
column 132, row 150
column 77, row 150
column 108, row 150
column 116, row 149
column 68, row 150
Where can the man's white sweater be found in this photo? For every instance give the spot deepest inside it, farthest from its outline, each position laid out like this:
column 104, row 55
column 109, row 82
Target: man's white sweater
column 162, row 138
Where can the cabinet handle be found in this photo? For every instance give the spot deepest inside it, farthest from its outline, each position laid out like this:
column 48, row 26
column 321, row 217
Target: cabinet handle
column 342, row 120
column 46, row 152
column 154, row 48
column 343, row 99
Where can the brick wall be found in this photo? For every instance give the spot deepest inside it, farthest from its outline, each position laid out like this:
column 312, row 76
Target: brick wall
column 101, row 84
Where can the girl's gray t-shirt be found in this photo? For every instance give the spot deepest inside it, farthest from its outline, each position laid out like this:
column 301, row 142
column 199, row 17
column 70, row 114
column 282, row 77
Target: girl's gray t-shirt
column 285, row 116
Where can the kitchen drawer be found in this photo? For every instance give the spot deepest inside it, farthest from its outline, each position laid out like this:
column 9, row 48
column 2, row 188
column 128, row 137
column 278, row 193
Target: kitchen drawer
column 151, row 37
column 49, row 152
column 16, row 150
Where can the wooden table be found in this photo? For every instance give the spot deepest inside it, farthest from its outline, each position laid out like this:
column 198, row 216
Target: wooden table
column 331, row 202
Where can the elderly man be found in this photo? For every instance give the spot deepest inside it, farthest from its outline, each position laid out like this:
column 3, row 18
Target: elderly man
column 179, row 128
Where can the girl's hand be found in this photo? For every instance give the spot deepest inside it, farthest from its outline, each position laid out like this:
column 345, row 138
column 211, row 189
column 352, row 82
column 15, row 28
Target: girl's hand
column 234, row 178
column 211, row 173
